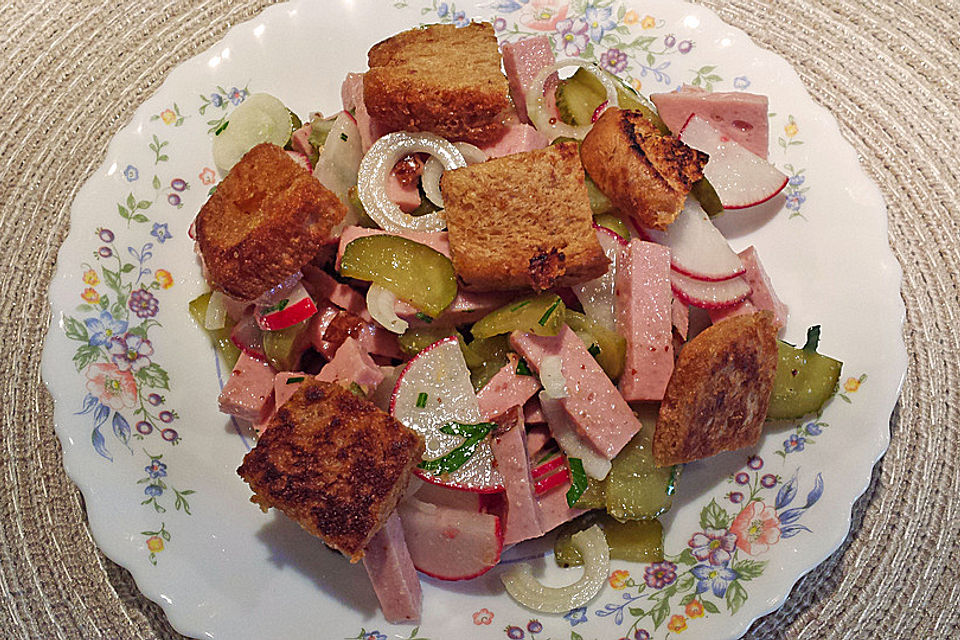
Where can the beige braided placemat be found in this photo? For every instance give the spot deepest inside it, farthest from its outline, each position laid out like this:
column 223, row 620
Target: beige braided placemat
column 71, row 75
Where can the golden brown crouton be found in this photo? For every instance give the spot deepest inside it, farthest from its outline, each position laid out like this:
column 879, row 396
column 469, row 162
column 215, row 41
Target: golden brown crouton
column 334, row 463
column 521, row 221
column 647, row 175
column 718, row 395
column 266, row 219
column 440, row 79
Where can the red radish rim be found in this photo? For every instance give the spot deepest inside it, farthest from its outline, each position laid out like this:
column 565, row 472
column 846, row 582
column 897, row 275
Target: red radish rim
column 735, row 207
column 351, row 116
column 432, row 479
column 288, row 316
column 712, row 306
column 623, row 242
column 548, row 466
column 703, row 278
column 552, row 481
column 498, row 532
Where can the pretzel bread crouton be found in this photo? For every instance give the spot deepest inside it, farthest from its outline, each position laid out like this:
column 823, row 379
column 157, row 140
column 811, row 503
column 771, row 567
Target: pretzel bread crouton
column 718, row 395
column 645, row 174
column 334, row 463
column 442, row 79
column 267, row 218
column 522, row 221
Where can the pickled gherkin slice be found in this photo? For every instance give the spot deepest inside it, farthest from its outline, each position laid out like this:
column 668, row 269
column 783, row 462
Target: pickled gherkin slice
column 283, row 347
column 491, row 354
column 221, row 337
column 805, row 379
column 599, row 203
column 607, row 347
column 412, row 271
column 579, row 96
column 634, row 541
column 707, row 196
column 614, row 223
column 542, row 315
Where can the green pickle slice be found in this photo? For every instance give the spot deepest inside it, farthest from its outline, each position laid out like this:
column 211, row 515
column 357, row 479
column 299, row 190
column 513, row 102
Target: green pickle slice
column 283, row 347
column 607, row 347
column 614, row 223
column 805, row 379
column 412, row 271
column 220, row 337
column 542, row 315
column 634, row 541
column 491, row 354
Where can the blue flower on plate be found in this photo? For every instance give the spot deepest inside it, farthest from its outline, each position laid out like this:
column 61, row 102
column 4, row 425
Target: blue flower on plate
column 152, row 490
column 713, row 578
column 216, row 99
column 796, row 181
column 794, row 443
column 131, row 173
column 576, row 616
column 741, row 82
column 813, row 428
column 104, row 328
column 599, row 20
column 442, row 9
column 460, row 19
column 161, row 232
column 795, row 200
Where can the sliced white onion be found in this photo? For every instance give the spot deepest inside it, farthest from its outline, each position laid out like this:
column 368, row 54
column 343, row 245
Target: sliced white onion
column 597, row 296
column 216, row 316
column 380, row 160
column 549, row 124
column 531, row 593
column 565, row 433
column 551, row 377
column 380, row 304
column 275, row 293
column 432, row 170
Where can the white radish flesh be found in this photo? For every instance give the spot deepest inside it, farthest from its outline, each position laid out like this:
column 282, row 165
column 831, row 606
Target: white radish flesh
column 697, row 248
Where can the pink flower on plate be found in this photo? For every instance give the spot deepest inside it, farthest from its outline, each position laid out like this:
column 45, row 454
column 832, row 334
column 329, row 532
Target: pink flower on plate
column 756, row 527
column 573, row 36
column 543, row 15
column 484, row 616
column 115, row 388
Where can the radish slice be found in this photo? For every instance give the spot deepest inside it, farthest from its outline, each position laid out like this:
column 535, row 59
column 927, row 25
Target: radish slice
column 295, row 306
column 433, row 170
column 565, row 433
column 246, row 335
column 380, row 160
column 434, row 390
column 381, row 304
column 545, row 120
column 450, row 543
column 597, row 296
column 216, row 317
column 741, row 178
column 709, row 295
column 531, row 593
column 339, row 162
column 301, row 159
column 697, row 248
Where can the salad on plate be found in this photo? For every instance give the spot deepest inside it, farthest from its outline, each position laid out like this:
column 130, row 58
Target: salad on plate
column 484, row 303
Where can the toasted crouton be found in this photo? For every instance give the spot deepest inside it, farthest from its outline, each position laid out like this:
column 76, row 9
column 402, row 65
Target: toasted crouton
column 522, row 221
column 647, row 175
column 439, row 79
column 718, row 395
column 268, row 218
column 333, row 462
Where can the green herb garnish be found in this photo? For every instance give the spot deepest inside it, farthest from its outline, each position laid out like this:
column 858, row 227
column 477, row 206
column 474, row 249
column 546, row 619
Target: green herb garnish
column 549, row 312
column 520, row 305
column 523, row 369
column 474, row 434
column 421, row 400
column 221, row 128
column 594, row 350
column 357, row 390
column 813, row 339
column 420, row 315
column 295, row 379
column 578, row 481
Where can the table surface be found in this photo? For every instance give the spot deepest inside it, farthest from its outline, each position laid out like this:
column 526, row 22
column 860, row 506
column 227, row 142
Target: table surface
column 72, row 74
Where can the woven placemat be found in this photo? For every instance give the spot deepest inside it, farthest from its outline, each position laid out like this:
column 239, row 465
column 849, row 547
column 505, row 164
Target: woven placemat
column 71, row 75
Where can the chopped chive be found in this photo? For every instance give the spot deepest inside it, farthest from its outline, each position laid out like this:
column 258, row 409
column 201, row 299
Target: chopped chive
column 221, row 128
column 421, row 400
column 519, row 306
column 295, row 379
column 578, row 481
column 813, row 338
column 473, row 434
column 546, row 314
column 594, row 350
column 672, row 483
column 420, row 315
column 523, row 369
column 343, row 137
column 357, row 390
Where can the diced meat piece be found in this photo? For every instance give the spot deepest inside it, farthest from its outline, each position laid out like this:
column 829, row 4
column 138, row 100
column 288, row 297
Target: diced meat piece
column 643, row 301
column 248, row 393
column 352, row 95
column 538, row 436
column 466, row 308
column 518, row 138
column 533, row 413
column 405, row 194
column 506, row 389
column 597, row 409
column 741, row 116
column 377, row 341
column 522, row 61
column 331, row 326
column 435, row 240
column 350, row 364
column 763, row 296
column 554, row 510
column 447, row 497
column 322, row 285
column 300, row 140
column 285, row 384
column 680, row 317
column 522, row 520
column 392, row 574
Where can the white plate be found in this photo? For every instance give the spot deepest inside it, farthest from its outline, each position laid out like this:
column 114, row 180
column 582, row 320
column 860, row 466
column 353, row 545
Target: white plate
column 182, row 523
